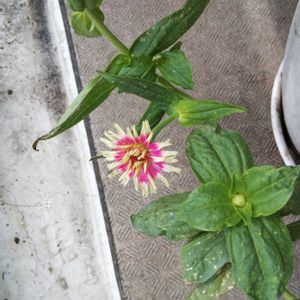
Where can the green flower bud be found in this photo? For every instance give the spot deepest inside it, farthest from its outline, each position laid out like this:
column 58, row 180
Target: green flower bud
column 82, row 24
column 239, row 200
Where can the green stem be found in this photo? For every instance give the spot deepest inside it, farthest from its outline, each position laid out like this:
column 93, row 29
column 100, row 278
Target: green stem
column 106, row 32
column 156, row 130
column 288, row 295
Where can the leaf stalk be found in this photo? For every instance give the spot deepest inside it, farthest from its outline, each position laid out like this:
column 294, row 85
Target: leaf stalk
column 156, row 130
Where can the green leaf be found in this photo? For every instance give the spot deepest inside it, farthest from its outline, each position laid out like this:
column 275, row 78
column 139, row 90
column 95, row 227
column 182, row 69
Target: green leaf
column 146, row 89
column 82, row 24
column 268, row 189
column 261, row 256
column 138, row 67
column 90, row 4
column 90, row 98
column 215, row 155
column 294, row 230
column 209, row 208
column 175, row 67
column 293, row 205
column 76, row 5
column 168, row 30
column 153, row 115
column 203, row 257
column 80, row 5
column 203, row 111
column 214, row 288
column 245, row 212
column 159, row 218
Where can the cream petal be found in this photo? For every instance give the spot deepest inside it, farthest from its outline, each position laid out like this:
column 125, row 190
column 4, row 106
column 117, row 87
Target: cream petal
column 169, row 168
column 164, row 144
column 119, row 129
column 164, row 180
column 107, row 142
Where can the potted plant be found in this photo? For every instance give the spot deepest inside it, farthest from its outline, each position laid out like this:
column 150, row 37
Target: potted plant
column 231, row 223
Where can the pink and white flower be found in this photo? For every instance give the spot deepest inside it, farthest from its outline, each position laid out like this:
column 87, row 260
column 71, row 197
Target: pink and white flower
column 135, row 156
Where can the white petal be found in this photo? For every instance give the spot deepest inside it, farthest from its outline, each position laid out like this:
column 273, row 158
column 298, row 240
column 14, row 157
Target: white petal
column 170, row 160
column 111, row 135
column 169, row 168
column 119, row 129
column 129, row 133
column 136, row 183
column 124, row 178
column 163, row 179
column 133, row 129
column 114, row 165
column 169, row 153
column 149, row 138
column 145, row 190
column 164, row 144
column 152, row 185
column 146, row 128
column 107, row 142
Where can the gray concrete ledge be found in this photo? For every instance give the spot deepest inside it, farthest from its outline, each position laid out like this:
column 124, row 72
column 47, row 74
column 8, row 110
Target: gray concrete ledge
column 53, row 240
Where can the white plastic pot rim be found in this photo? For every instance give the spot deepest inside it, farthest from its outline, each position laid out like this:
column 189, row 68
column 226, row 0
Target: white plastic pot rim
column 276, row 118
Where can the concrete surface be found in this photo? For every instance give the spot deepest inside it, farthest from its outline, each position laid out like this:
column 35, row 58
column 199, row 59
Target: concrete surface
column 53, row 241
column 235, row 48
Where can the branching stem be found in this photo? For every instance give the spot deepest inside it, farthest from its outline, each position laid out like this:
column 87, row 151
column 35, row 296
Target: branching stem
column 106, row 32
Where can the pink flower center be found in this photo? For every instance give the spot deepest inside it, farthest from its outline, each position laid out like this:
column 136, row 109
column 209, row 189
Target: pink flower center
column 136, row 157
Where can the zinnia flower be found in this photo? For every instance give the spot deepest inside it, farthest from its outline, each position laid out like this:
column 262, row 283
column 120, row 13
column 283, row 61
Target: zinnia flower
column 135, row 156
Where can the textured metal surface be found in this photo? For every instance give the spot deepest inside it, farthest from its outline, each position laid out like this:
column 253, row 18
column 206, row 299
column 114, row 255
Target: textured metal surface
column 235, row 49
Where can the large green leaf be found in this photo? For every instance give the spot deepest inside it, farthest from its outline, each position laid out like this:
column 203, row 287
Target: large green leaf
column 261, row 256
column 215, row 287
column 146, row 89
column 168, row 30
column 89, row 99
column 209, row 208
column 175, row 67
column 267, row 188
column 153, row 115
column 215, row 155
column 83, row 25
column 203, row 257
column 203, row 111
column 293, row 205
column 159, row 218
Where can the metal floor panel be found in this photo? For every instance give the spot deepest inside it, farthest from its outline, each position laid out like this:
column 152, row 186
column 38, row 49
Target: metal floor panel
column 235, row 49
